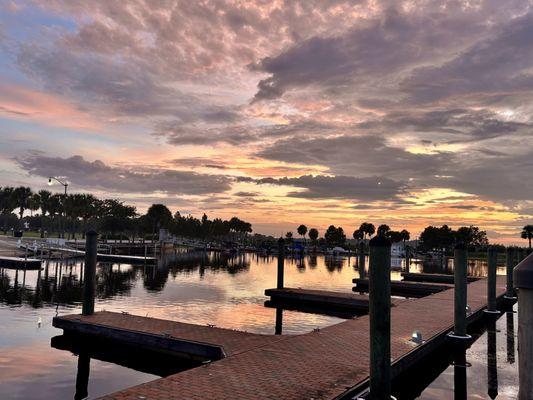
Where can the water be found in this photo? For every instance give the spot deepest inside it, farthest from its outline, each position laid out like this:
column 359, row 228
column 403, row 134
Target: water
column 226, row 292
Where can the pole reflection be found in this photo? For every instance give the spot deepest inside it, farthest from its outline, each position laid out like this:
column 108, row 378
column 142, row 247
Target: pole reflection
column 510, row 338
column 459, row 375
column 82, row 376
column 492, row 372
column 279, row 321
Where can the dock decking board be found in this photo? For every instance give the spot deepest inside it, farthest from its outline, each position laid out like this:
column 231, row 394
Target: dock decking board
column 19, row 262
column 323, row 364
column 406, row 289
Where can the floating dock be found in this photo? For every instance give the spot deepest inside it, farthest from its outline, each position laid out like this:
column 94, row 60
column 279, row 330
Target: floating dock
column 433, row 278
column 405, row 289
column 204, row 343
column 19, row 263
column 336, row 301
column 326, row 364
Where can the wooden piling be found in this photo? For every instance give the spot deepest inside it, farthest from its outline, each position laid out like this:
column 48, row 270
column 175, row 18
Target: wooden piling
column 281, row 263
column 89, row 284
column 523, row 278
column 361, row 260
column 460, row 283
column 509, row 265
column 380, row 318
column 492, row 255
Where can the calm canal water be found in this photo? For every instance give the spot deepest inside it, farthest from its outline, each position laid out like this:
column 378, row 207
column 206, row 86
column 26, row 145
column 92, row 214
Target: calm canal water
column 214, row 289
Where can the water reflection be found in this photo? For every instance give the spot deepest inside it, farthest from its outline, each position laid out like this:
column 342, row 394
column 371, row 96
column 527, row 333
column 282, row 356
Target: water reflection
column 510, row 337
column 459, row 375
column 492, row 371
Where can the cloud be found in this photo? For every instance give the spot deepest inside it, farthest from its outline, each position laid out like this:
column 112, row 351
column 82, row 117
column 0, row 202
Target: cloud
column 96, row 174
column 355, row 155
column 338, row 187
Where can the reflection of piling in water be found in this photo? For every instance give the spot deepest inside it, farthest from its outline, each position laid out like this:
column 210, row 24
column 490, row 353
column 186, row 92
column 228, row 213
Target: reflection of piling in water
column 82, row 376
column 279, row 321
column 459, row 375
column 509, row 264
column 510, row 338
column 492, row 372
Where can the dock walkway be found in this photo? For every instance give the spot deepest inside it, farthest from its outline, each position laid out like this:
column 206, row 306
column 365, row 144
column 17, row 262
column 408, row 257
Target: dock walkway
column 405, row 289
column 323, row 364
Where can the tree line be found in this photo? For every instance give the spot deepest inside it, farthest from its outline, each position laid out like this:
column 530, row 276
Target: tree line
column 71, row 214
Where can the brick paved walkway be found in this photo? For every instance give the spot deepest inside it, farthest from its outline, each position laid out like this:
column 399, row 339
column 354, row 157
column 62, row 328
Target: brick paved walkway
column 316, row 365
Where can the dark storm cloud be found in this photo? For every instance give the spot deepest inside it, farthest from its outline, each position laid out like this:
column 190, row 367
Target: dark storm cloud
column 86, row 174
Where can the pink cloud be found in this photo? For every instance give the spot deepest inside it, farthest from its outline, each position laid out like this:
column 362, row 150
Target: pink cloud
column 20, row 102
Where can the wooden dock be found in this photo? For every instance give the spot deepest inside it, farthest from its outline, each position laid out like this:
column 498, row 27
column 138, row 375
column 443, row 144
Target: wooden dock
column 171, row 337
column 432, row 278
column 336, row 301
column 19, row 262
column 405, row 289
column 330, row 363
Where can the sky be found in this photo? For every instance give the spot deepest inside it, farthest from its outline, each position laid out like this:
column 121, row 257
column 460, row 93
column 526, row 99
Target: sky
column 409, row 113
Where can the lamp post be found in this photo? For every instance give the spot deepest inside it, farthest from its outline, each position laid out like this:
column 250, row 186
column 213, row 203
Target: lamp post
column 65, row 185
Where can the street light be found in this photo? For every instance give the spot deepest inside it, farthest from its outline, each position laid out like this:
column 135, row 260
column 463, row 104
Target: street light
column 50, row 183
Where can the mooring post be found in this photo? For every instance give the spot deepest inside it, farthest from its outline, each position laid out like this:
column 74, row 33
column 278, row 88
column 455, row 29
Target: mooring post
column 492, row 367
column 361, row 260
column 460, row 273
column 407, row 259
column 89, row 284
column 379, row 310
column 523, row 278
column 509, row 265
column 492, row 255
column 281, row 263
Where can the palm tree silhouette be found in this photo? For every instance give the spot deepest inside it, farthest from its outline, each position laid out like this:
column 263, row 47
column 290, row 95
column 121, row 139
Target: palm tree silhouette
column 527, row 233
column 302, row 230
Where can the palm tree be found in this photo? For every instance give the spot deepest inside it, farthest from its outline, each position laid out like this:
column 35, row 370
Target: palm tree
column 7, row 200
column 383, row 230
column 367, row 229
column 405, row 235
column 358, row 234
column 44, row 203
column 22, row 196
column 302, row 231
column 527, row 233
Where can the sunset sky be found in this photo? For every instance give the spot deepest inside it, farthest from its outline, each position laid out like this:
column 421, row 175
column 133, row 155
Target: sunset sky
column 321, row 112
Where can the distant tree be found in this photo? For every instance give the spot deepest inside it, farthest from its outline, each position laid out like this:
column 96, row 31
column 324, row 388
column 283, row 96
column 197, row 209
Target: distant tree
column 159, row 217
column 435, row 238
column 22, row 197
column 288, row 238
column 302, row 230
column 405, row 236
column 44, row 204
column 7, row 200
column 117, row 217
column 383, row 230
column 335, row 236
column 313, row 234
column 358, row 234
column 367, row 229
column 527, row 233
column 471, row 236
column 394, row 236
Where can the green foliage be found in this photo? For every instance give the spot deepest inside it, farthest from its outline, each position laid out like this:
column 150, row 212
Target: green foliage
column 527, row 233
